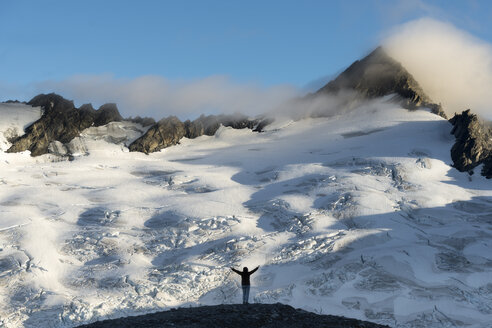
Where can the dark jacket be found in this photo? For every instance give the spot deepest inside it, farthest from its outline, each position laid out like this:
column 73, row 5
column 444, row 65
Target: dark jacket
column 245, row 275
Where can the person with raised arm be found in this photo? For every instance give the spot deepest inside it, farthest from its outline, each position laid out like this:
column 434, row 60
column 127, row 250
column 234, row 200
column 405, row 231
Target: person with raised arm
column 245, row 283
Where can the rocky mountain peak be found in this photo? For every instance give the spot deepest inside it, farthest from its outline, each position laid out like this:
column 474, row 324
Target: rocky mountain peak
column 379, row 75
column 87, row 107
column 52, row 102
column 107, row 113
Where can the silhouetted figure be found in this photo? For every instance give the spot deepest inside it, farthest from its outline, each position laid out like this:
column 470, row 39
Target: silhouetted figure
column 245, row 284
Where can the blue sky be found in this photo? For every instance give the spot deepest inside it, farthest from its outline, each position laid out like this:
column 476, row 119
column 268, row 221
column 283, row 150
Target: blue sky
column 265, row 43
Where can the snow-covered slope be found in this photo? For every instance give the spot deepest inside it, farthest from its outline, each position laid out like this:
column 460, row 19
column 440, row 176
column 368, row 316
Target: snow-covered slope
column 358, row 215
column 14, row 117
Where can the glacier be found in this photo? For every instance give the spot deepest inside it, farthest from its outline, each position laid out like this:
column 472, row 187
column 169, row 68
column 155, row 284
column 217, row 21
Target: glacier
column 360, row 215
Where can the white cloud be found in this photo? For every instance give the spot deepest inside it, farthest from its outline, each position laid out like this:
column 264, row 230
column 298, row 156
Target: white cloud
column 157, row 97
column 452, row 66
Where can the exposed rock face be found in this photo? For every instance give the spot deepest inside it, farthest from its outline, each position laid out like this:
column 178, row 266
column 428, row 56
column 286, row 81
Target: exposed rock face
column 60, row 121
column 168, row 131
column 165, row 133
column 237, row 316
column 473, row 143
column 378, row 75
column 107, row 113
column 204, row 125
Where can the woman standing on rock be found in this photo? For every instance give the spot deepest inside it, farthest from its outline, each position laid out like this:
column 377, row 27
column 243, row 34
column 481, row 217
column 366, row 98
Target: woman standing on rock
column 245, row 284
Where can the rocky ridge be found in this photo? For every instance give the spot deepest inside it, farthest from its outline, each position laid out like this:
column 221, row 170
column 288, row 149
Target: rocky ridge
column 238, row 316
column 61, row 121
column 473, row 143
column 378, row 75
column 168, row 131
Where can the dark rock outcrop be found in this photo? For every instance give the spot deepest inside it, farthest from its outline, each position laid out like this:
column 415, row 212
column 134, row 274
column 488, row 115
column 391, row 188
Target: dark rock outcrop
column 473, row 143
column 165, row 133
column 487, row 168
column 168, row 131
column 379, row 75
column 107, row 113
column 237, row 316
column 204, row 125
column 60, row 121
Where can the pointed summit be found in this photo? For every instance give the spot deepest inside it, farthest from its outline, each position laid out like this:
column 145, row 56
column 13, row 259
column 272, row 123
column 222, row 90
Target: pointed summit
column 378, row 75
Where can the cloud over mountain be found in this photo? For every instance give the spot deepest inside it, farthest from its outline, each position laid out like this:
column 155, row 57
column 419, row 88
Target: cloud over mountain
column 452, row 66
column 157, row 96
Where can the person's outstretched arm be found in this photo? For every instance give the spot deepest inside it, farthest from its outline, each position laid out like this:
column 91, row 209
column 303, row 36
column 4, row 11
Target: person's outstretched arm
column 254, row 270
column 236, row 271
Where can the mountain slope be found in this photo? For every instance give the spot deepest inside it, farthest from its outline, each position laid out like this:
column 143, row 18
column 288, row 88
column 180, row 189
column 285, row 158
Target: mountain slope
column 359, row 215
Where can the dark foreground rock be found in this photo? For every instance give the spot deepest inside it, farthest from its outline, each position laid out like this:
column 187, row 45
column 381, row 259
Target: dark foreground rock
column 237, row 316
column 473, row 143
column 168, row 131
column 379, row 75
column 60, row 121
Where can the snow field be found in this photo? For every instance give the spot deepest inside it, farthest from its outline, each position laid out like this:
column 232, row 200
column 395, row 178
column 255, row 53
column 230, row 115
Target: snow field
column 357, row 215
